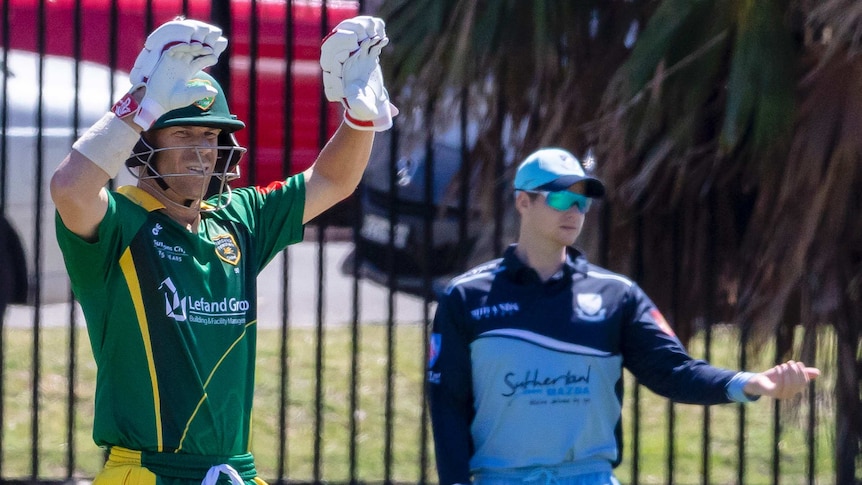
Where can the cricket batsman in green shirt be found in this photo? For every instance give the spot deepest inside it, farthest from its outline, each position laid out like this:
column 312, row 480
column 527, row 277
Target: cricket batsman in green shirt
column 165, row 271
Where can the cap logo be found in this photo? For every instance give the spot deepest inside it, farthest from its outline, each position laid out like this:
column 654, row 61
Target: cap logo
column 554, row 170
column 205, row 103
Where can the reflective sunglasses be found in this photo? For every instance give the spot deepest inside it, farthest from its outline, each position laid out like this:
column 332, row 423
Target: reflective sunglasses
column 564, row 200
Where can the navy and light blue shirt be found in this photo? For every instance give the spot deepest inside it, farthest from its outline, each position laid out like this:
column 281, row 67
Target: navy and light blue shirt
column 528, row 373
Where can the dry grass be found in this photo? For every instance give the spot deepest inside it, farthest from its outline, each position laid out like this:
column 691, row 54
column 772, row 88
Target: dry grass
column 408, row 350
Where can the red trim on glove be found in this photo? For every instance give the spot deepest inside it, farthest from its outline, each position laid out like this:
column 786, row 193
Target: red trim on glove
column 359, row 122
column 176, row 42
column 125, row 106
column 330, row 34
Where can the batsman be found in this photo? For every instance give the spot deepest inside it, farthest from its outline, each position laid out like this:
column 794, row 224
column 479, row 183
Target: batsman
column 166, row 270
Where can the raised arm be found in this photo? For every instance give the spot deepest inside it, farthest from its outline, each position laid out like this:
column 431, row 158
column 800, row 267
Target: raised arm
column 349, row 57
column 172, row 54
column 78, row 184
column 337, row 170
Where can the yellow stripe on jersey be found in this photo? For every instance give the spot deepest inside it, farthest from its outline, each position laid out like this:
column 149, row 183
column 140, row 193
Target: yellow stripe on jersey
column 131, row 275
column 209, row 378
column 123, row 468
column 189, row 422
column 140, row 197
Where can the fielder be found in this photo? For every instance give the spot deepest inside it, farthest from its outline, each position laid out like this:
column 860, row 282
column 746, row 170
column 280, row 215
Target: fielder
column 166, row 276
column 527, row 351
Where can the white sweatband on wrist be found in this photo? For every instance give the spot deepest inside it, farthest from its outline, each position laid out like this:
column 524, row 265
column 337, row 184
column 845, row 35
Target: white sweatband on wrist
column 108, row 143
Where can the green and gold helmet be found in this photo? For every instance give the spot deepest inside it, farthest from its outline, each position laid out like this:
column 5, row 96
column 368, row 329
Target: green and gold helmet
column 212, row 112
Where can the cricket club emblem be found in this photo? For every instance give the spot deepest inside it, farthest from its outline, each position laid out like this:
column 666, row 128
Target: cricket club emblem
column 590, row 307
column 226, row 248
column 205, row 103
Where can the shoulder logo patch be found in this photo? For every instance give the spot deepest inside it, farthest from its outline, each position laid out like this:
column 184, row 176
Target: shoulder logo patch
column 226, row 248
column 435, row 342
column 661, row 322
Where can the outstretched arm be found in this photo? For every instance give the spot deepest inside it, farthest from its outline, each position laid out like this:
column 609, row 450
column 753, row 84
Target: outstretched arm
column 782, row 381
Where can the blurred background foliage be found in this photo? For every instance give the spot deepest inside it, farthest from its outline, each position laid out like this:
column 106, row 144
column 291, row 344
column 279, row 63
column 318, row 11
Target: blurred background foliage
column 728, row 132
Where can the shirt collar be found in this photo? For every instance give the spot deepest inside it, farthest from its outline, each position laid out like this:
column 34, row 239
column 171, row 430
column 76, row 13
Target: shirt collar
column 141, row 197
column 520, row 272
column 147, row 201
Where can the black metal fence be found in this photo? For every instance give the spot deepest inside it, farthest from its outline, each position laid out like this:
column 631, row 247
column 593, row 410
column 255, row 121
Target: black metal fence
column 344, row 315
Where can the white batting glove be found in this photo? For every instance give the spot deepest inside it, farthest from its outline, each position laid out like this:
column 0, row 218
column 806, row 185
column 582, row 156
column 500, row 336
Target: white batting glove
column 349, row 57
column 168, row 86
column 343, row 41
column 178, row 31
column 366, row 100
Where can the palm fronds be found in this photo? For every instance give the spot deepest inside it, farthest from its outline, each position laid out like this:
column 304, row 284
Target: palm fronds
column 728, row 131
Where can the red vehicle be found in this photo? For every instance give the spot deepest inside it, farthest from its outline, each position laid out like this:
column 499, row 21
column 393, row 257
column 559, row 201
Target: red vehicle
column 257, row 53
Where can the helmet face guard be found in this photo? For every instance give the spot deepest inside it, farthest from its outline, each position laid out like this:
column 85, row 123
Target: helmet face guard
column 142, row 165
column 212, row 112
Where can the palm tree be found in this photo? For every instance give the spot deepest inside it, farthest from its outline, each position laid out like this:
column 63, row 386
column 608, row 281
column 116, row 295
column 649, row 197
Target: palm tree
column 729, row 130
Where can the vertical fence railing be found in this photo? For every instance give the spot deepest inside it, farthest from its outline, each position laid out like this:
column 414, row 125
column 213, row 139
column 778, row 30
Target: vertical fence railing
column 4, row 163
column 740, row 456
column 429, row 215
column 37, row 249
column 4, row 195
column 75, row 462
column 710, row 266
column 637, row 273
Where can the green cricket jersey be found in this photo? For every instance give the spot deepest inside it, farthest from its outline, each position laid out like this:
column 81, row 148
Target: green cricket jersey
column 172, row 317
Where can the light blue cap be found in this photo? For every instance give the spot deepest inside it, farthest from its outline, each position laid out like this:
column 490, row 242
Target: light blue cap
column 554, row 169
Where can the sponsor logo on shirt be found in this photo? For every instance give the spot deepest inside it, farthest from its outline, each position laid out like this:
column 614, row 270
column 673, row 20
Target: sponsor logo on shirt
column 226, row 248
column 167, row 251
column 175, row 305
column 589, row 307
column 492, row 311
column 572, row 387
column 227, row 311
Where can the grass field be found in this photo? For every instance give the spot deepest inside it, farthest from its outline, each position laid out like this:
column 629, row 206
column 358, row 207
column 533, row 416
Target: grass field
column 406, row 430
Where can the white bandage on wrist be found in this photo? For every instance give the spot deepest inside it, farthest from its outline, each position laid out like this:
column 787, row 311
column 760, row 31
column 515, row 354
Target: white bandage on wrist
column 108, row 143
